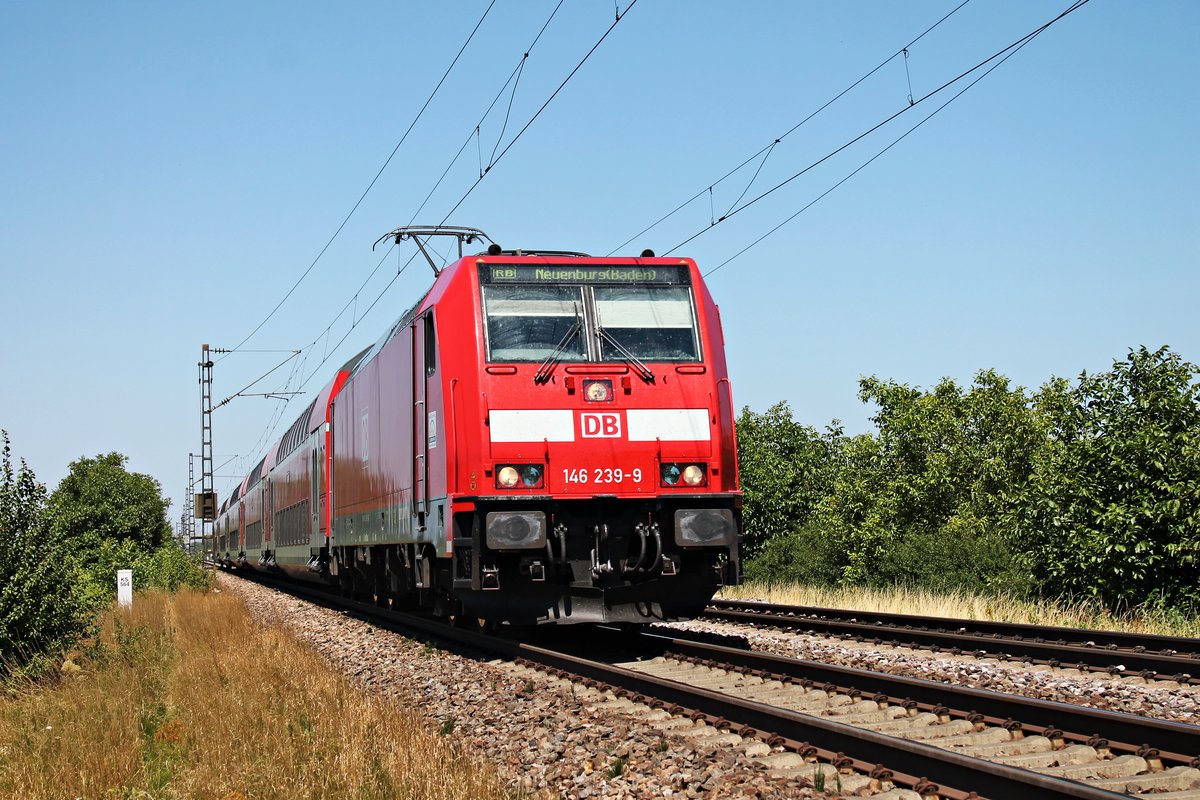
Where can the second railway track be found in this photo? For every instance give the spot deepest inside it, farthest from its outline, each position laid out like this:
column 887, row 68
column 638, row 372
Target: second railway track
column 1113, row 652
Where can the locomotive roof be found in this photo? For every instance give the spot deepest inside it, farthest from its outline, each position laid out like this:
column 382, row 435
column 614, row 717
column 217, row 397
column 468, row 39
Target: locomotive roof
column 408, row 316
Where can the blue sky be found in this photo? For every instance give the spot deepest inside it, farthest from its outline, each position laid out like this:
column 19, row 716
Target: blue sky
column 168, row 170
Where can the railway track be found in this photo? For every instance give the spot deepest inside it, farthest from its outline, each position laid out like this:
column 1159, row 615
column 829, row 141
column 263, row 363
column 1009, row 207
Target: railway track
column 858, row 730
column 1103, row 750
column 1148, row 656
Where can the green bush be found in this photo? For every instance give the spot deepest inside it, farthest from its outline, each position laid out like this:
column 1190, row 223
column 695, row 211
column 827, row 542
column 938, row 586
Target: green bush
column 1113, row 512
column 960, row 556
column 1088, row 491
column 786, row 469
column 806, row 556
column 944, row 465
column 167, row 568
column 957, row 557
column 44, row 604
column 59, row 557
column 920, row 502
column 100, row 501
column 170, row 569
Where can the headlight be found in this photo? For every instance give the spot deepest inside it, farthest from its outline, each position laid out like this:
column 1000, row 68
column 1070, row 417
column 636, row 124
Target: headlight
column 513, row 476
column 598, row 391
column 687, row 474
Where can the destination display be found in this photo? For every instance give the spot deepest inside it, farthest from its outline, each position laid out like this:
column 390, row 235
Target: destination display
column 571, row 273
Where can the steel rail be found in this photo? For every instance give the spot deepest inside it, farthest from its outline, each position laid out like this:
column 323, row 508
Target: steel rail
column 937, row 765
column 1176, row 741
column 1082, row 636
column 1101, row 651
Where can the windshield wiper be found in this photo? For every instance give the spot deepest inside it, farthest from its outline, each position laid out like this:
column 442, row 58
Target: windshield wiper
column 547, row 366
column 641, row 369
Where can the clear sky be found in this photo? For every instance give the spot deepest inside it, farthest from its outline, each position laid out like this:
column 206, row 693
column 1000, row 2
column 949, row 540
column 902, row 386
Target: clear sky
column 168, row 171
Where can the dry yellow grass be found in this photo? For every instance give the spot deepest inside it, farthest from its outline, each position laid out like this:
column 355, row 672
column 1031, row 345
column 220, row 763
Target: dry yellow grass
column 905, row 600
column 187, row 698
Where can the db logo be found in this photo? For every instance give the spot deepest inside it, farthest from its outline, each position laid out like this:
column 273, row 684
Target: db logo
column 600, row 426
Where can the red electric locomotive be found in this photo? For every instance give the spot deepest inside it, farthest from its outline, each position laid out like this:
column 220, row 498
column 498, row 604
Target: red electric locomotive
column 546, row 437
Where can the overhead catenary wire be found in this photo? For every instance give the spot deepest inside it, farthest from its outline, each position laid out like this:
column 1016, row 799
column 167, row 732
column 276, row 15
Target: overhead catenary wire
column 620, row 16
column 356, row 318
column 272, row 424
column 485, row 172
column 252, row 383
column 374, row 302
column 868, row 162
column 198, row 481
column 375, row 179
column 766, row 150
column 330, row 351
column 475, row 132
column 1000, row 53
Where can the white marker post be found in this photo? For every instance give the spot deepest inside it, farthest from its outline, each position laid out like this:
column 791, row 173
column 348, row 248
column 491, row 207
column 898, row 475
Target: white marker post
column 125, row 588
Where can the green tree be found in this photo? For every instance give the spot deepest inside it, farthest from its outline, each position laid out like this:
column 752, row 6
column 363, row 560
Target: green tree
column 786, row 469
column 1113, row 511
column 43, row 605
column 100, row 501
column 116, row 519
column 924, row 500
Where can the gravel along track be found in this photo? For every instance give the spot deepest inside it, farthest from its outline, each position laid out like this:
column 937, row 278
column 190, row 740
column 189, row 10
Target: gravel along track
column 549, row 736
column 1167, row 700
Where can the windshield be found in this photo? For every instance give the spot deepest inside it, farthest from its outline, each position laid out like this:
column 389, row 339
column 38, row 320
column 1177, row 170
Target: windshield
column 654, row 323
column 589, row 314
column 528, row 323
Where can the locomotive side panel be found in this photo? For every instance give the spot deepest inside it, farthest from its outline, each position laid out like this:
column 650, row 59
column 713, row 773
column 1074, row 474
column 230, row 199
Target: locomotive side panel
column 429, row 431
column 394, row 466
column 456, row 448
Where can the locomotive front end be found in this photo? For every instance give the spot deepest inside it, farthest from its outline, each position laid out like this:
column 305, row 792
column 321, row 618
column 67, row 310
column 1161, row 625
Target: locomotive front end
column 605, row 486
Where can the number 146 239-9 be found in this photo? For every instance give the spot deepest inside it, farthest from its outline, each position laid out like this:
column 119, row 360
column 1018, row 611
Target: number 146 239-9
column 598, row 475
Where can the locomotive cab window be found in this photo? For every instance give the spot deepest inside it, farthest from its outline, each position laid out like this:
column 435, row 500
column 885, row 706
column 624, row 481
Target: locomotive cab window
column 654, row 323
column 595, row 314
column 528, row 323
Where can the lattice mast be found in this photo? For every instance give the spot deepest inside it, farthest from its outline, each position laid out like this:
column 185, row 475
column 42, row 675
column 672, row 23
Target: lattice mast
column 206, row 498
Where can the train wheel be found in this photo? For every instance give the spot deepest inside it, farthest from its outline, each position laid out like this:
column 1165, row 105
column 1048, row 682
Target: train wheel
column 471, row 623
column 382, row 596
column 446, row 606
